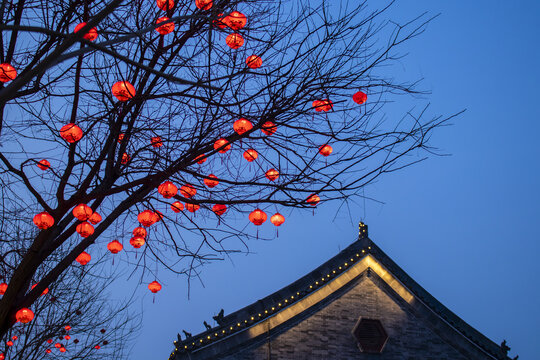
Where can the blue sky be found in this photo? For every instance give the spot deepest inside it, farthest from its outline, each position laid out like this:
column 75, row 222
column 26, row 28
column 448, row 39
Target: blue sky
column 463, row 226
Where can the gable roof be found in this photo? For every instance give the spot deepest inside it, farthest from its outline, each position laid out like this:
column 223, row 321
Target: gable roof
column 317, row 288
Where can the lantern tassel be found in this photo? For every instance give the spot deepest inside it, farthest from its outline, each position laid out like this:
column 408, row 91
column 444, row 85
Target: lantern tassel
column 154, row 299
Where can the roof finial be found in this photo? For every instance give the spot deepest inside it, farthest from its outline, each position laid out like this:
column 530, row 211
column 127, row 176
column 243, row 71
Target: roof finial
column 362, row 230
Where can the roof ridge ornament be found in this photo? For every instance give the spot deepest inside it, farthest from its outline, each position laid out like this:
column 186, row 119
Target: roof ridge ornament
column 362, row 230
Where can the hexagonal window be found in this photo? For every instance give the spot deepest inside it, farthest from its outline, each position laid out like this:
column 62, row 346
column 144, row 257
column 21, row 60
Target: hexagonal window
column 370, row 335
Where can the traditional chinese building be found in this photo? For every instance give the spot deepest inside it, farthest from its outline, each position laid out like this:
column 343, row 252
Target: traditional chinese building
column 357, row 305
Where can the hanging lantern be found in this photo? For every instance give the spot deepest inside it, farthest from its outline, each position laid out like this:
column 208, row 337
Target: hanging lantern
column 269, row 128
column 219, row 209
column 123, row 91
column 48, row 351
column 97, row 347
column 242, row 125
column 82, row 212
column 192, row 207
column 360, row 97
column 156, row 142
column 115, row 247
column 125, row 158
column 14, row 337
column 136, row 242
column 254, row 62
column 44, row 165
column 147, row 218
column 95, row 218
column 220, row 22
column 167, row 189
column 85, row 229
column 234, row 41
column 188, row 191
column 67, row 337
column 43, row 220
column 24, row 315
column 58, row 345
column 325, row 150
column 250, row 155
column 84, row 258
column 201, row 159
column 165, row 28
column 3, row 288
column 322, row 105
column 313, row 199
column 154, row 287
column 236, row 20
column 62, row 349
column 211, row 181
column 7, row 73
column 165, row 4
column 158, row 215
column 9, row 343
column 204, row 4
column 272, row 174
column 177, row 206
column 222, row 143
column 257, row 217
column 91, row 35
column 2, row 356
column 120, row 137
column 67, row 327
column 44, row 291
column 140, row 232
column 71, row 133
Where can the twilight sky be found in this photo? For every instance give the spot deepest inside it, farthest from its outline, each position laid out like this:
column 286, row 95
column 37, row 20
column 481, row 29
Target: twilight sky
column 463, row 226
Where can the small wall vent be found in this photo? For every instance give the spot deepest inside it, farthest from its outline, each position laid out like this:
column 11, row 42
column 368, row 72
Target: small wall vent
column 370, row 335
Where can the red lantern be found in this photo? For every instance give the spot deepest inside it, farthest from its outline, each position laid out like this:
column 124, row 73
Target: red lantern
column 24, row 315
column 272, row 174
column 58, row 345
column 49, row 341
column 359, row 98
column 2, row 357
column 7, row 73
column 67, row 337
column 242, row 125
column 147, row 218
column 165, row 4
column 120, row 137
column 220, row 22
column 254, row 62
column 192, row 207
column 85, row 229
column 322, row 105
column 204, row 4
column 325, row 150
column 219, row 209
column 97, row 347
column 222, row 143
column 67, row 327
column 236, row 20
column 123, row 91
column 95, row 218
column 9, row 343
column 82, row 212
column 154, row 287
column 156, row 142
column 125, row 158
column 165, row 28
column 167, row 189
column 257, row 217
column 269, row 128
column 91, row 35
column 48, row 351
column 250, row 155
column 84, row 258
column 3, row 288
column 234, row 41
column 14, row 337
column 177, row 206
column 140, row 232
column 71, row 133
column 44, row 165
column 210, row 181
column 115, row 247
column 44, row 291
column 313, row 199
column 43, row 220
column 201, row 159
column 137, row 242
column 188, row 191
column 62, row 349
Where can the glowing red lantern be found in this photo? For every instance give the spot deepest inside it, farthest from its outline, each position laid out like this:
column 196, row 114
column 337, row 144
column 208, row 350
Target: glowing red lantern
column 115, row 246
column 7, row 73
column 67, row 327
column 44, row 165
column 3, row 288
column 257, row 217
column 254, row 62
column 165, row 4
column 322, row 105
column 147, row 218
column 219, row 209
column 71, row 133
column 97, row 347
column 236, row 20
column 167, row 189
column 154, row 287
column 192, row 207
column 272, row 174
column 201, row 159
column 359, row 98
column 44, row 291
column 48, row 351
column 120, row 137
column 82, row 212
column 177, row 206
column 140, row 232
column 24, row 315
column 85, row 229
column 220, row 22
column 269, row 128
column 188, row 191
column 43, row 220
column 14, row 337
column 125, row 158
column 136, row 242
column 165, row 28
column 250, row 155
column 242, row 125
column 234, row 41
column 49, row 341
column 313, row 199
column 156, row 142
column 123, row 90
column 2, row 356
column 95, row 218
column 67, row 337
column 9, row 343
column 91, row 35
column 58, row 345
column 211, row 181
column 204, row 4
column 325, row 150
column 84, row 258
column 222, row 143
column 62, row 349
